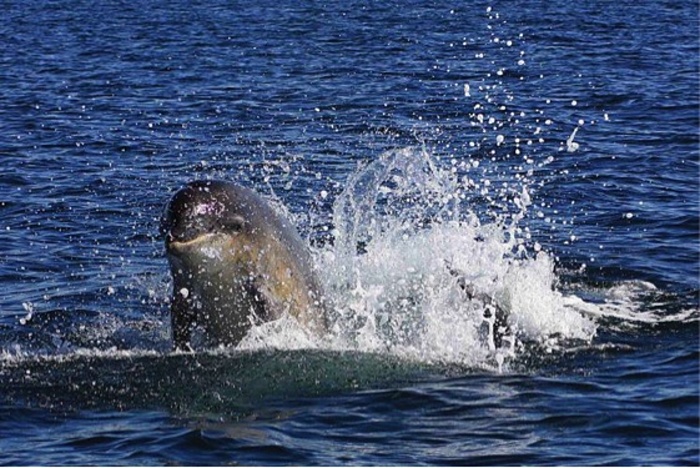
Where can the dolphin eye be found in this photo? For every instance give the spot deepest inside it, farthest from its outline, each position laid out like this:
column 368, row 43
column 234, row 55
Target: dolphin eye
column 233, row 224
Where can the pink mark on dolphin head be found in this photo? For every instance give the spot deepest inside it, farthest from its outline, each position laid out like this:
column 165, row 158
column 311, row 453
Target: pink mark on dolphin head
column 214, row 208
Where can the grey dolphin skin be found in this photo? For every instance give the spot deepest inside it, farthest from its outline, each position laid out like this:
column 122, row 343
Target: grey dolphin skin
column 235, row 263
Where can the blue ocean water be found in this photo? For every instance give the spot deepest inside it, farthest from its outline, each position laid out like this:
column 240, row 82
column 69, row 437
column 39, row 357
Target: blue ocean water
column 546, row 153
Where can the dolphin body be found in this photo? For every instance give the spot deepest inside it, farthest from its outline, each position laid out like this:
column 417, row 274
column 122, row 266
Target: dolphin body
column 235, row 263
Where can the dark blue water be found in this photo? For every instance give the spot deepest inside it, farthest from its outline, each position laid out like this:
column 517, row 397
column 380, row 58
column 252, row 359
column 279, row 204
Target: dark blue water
column 573, row 126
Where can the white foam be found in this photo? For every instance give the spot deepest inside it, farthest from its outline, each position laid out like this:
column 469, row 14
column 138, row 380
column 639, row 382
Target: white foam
column 285, row 333
column 627, row 301
column 412, row 272
column 17, row 355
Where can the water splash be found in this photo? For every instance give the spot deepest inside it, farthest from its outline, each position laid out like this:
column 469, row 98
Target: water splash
column 413, row 271
column 416, row 271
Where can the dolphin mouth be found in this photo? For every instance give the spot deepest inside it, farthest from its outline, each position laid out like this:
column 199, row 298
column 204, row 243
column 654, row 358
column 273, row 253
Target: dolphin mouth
column 174, row 244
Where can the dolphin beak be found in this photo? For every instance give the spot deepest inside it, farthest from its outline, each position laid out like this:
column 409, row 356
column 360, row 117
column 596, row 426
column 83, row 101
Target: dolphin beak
column 175, row 245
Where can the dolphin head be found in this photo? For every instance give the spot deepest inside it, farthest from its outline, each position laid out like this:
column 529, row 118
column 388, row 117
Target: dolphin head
column 200, row 215
column 208, row 226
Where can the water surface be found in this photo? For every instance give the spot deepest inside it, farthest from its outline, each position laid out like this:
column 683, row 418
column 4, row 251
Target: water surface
column 545, row 155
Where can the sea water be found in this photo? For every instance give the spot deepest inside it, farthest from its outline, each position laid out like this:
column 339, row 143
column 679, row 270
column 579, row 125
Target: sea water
column 500, row 200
